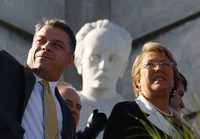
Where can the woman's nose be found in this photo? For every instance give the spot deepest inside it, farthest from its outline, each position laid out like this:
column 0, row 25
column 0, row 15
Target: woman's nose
column 157, row 67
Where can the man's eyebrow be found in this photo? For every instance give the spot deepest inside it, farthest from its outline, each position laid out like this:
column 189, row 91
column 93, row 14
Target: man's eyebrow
column 41, row 36
column 58, row 41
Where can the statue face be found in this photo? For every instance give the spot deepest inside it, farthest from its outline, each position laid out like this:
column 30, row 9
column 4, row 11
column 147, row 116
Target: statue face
column 104, row 59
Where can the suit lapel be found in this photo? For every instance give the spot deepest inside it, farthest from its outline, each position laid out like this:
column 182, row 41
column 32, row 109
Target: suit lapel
column 29, row 84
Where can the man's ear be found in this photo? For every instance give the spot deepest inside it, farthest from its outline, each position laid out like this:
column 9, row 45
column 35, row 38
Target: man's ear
column 71, row 60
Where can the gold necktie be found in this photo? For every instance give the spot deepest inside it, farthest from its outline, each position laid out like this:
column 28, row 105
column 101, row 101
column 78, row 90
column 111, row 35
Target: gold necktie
column 50, row 114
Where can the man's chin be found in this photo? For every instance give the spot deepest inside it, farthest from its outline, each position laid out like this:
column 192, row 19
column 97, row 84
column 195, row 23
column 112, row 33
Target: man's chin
column 38, row 68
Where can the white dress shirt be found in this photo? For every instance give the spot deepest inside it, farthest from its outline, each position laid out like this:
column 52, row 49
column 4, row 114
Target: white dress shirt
column 33, row 121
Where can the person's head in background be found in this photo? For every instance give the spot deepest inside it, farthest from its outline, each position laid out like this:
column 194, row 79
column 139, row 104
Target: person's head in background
column 153, row 74
column 176, row 98
column 101, row 57
column 72, row 99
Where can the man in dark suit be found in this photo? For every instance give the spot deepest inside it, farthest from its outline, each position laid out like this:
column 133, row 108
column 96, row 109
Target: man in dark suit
column 21, row 97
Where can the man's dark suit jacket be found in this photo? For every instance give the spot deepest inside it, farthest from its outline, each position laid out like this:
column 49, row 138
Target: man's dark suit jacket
column 16, row 83
column 127, row 121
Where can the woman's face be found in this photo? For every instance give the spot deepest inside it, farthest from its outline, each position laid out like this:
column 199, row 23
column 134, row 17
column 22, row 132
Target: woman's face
column 156, row 75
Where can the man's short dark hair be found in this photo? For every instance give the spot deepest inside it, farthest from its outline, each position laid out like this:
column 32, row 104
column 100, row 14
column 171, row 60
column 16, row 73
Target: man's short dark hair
column 61, row 24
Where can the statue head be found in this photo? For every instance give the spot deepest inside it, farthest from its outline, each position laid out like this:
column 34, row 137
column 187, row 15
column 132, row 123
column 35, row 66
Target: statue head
column 101, row 57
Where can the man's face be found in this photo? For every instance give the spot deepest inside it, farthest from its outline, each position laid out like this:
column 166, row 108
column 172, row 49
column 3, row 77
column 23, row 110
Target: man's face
column 50, row 52
column 73, row 101
column 176, row 100
column 103, row 60
column 156, row 74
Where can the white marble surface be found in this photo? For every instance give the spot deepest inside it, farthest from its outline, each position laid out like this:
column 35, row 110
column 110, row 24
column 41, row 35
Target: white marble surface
column 104, row 105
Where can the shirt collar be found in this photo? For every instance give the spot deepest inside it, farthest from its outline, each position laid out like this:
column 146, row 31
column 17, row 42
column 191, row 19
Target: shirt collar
column 145, row 105
column 156, row 118
column 51, row 84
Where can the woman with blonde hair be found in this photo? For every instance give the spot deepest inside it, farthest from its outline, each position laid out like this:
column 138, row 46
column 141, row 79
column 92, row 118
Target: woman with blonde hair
column 149, row 116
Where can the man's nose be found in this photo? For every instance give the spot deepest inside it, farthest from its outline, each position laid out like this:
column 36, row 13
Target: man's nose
column 46, row 46
column 74, row 111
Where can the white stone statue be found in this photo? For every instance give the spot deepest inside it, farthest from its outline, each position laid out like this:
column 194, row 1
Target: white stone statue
column 101, row 57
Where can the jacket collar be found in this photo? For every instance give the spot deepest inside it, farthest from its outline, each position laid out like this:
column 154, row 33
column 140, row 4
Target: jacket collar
column 29, row 81
column 156, row 118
